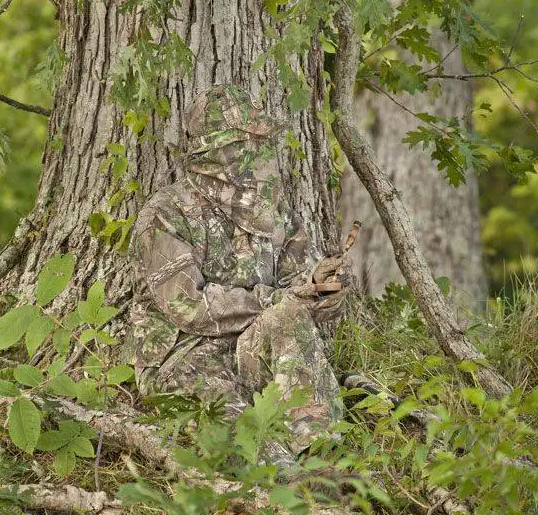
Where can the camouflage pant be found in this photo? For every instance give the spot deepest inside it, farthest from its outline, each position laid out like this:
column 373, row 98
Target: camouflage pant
column 282, row 345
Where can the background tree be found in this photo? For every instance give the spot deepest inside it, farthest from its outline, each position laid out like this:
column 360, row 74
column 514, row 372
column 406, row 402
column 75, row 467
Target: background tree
column 446, row 219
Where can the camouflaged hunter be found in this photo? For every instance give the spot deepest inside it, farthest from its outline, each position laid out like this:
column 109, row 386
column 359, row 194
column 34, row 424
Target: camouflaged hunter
column 225, row 301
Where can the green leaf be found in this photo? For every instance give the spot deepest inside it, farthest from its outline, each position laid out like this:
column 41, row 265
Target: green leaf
column 87, row 335
column 14, row 324
column 63, row 385
column 116, row 149
column 96, row 294
column 119, row 167
column 56, row 367
column 72, row 320
column 288, row 499
column 87, row 390
column 61, row 339
column 64, row 462
column 37, row 332
column 104, row 338
column 70, row 428
column 272, row 5
column 97, row 222
column 54, row 277
column 28, row 375
column 93, row 366
column 475, row 396
column 119, row 374
column 52, row 440
column 8, row 389
column 82, row 447
column 105, row 314
column 370, row 14
column 24, row 424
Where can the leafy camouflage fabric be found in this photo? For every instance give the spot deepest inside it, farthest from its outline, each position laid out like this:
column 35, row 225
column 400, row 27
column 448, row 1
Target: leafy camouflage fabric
column 224, row 301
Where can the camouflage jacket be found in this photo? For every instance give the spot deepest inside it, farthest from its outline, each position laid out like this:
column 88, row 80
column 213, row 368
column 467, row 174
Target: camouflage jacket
column 212, row 249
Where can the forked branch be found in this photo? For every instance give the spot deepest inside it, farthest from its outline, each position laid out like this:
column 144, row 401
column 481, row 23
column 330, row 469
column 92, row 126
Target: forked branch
column 394, row 215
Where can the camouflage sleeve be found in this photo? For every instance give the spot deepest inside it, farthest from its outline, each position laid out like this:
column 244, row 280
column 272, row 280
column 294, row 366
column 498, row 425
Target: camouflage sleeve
column 172, row 271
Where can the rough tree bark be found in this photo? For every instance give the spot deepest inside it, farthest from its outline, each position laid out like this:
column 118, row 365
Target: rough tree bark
column 445, row 219
column 226, row 37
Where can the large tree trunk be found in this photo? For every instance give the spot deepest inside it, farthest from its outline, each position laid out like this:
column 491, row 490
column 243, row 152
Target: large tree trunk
column 446, row 219
column 226, row 37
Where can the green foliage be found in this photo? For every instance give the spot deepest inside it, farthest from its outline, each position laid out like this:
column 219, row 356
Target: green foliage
column 140, row 68
column 27, row 29
column 24, row 421
column 24, row 417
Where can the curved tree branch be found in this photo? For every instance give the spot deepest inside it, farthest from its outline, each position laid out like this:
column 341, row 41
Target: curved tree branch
column 24, row 107
column 5, row 6
column 394, row 214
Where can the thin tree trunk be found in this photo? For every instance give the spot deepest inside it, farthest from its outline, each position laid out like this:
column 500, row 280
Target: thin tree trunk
column 445, row 219
column 226, row 37
column 394, row 215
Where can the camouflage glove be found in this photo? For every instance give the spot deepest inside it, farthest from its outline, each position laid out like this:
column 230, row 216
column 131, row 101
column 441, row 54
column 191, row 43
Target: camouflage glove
column 322, row 308
column 328, row 307
column 334, row 269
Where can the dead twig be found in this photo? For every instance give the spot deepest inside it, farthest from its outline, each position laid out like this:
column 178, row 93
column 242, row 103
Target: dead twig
column 24, row 107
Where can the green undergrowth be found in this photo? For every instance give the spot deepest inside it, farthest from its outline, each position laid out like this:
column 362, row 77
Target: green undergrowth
column 378, row 459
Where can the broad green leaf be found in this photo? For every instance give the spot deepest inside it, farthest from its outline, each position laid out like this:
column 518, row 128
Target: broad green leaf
column 72, row 320
column 97, row 222
column 82, row 447
column 119, row 374
column 37, row 332
column 116, row 149
column 370, row 14
column 24, row 424
column 61, row 339
column 63, row 385
column 93, row 366
column 105, row 314
column 52, row 440
column 475, row 396
column 28, row 375
column 8, row 389
column 56, row 367
column 87, row 390
column 288, row 499
column 104, row 338
column 15, row 323
column 272, row 5
column 87, row 335
column 70, row 428
column 64, row 462
column 54, row 277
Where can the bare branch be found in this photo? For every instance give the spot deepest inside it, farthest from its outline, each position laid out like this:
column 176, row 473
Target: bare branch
column 394, row 214
column 512, row 46
column 24, row 107
column 5, row 6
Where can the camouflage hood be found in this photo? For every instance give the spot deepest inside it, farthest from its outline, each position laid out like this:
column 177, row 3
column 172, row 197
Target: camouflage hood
column 232, row 157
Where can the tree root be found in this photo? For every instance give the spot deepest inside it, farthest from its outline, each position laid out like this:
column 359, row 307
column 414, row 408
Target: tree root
column 67, row 499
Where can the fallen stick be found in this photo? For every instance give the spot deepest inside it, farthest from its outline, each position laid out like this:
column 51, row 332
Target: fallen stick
column 66, row 499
